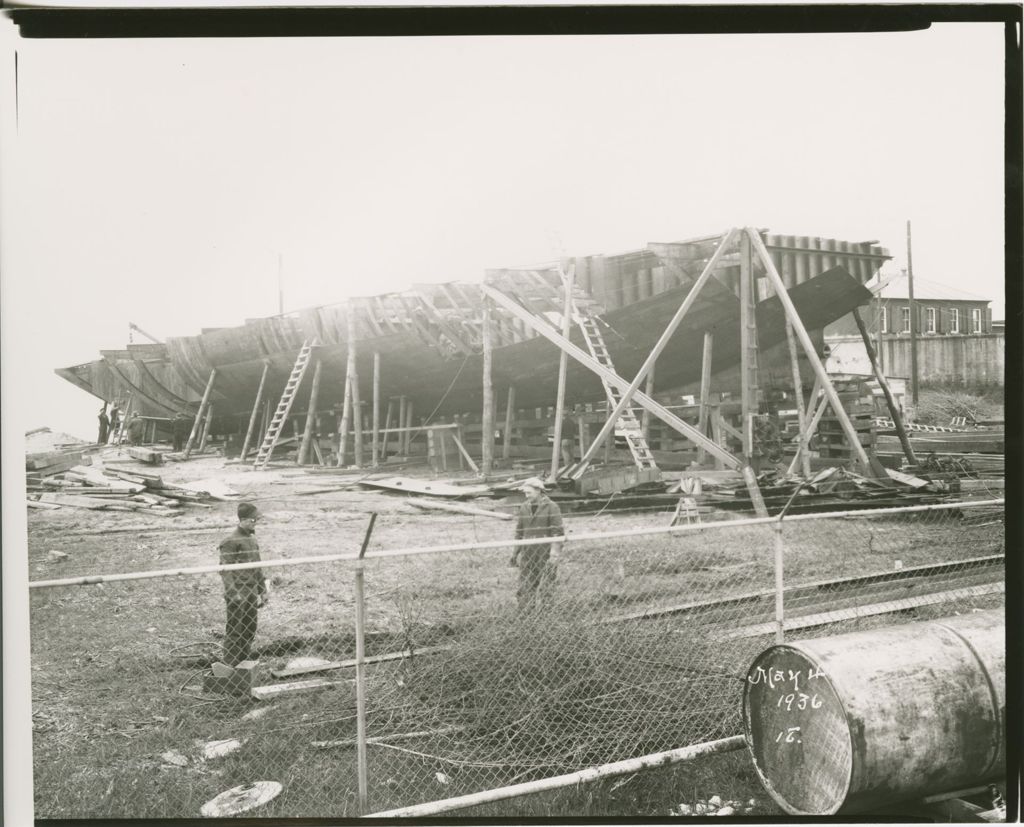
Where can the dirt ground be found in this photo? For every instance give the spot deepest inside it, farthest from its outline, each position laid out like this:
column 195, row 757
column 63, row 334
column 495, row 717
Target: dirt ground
column 117, row 667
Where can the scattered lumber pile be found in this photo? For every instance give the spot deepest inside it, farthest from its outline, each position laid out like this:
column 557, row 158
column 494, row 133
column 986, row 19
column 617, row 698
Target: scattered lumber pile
column 114, row 489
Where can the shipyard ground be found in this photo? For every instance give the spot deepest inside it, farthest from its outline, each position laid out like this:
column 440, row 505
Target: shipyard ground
column 113, row 666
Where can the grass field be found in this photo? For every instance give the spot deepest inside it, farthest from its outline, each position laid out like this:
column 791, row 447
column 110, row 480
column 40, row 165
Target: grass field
column 117, row 668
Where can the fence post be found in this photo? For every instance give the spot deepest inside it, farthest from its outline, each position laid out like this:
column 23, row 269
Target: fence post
column 361, row 772
column 780, row 614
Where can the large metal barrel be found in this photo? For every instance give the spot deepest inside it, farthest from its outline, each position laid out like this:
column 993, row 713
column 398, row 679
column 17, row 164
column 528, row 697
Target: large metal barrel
column 857, row 721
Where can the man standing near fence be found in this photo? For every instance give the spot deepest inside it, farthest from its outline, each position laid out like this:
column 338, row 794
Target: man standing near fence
column 538, row 564
column 245, row 591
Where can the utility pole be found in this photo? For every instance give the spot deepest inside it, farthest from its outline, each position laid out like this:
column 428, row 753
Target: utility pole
column 913, row 321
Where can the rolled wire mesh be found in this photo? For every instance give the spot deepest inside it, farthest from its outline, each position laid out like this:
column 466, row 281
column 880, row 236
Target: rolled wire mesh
column 638, row 644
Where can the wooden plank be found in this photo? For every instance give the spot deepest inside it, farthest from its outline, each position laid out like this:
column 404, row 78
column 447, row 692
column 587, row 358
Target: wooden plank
column 840, row 615
column 262, row 693
column 412, row 485
column 146, row 455
column 348, row 664
column 40, row 504
column 460, row 509
column 464, row 452
column 73, row 501
column 906, row 479
column 302, row 458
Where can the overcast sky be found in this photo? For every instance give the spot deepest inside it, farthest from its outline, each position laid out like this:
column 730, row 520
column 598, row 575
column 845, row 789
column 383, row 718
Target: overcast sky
column 157, row 182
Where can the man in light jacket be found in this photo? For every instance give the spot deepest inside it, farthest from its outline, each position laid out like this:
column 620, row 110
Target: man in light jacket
column 538, row 517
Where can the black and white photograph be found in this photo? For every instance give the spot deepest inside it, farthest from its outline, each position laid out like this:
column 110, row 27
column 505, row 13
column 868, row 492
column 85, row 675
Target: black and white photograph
column 509, row 413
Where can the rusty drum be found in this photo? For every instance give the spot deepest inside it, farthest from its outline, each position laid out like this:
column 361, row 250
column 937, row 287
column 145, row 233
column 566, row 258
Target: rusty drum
column 857, row 721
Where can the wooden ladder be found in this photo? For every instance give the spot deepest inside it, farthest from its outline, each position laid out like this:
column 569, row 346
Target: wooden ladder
column 628, row 425
column 284, row 406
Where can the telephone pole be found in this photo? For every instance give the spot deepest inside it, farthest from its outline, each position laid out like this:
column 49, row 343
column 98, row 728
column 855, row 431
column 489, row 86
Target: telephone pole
column 913, row 321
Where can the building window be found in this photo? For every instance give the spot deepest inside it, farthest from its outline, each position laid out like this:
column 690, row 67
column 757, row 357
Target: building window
column 884, row 322
column 954, row 320
column 906, row 319
column 976, row 320
column 929, row 320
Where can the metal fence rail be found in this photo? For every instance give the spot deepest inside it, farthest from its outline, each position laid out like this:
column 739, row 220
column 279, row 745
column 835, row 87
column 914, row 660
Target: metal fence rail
column 635, row 644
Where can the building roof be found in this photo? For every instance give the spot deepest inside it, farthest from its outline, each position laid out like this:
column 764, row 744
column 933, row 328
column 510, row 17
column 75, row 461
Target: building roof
column 895, row 287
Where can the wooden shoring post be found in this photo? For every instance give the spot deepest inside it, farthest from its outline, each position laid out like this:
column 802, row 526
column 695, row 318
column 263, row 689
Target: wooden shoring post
column 645, row 420
column 808, row 346
column 798, row 395
column 206, row 427
column 630, row 390
column 716, row 432
column 510, row 409
column 307, row 433
column 375, row 452
column 264, row 421
column 255, row 410
column 487, row 414
column 402, row 406
column 346, row 417
column 894, row 410
column 665, row 415
column 387, row 429
column 408, row 427
column 197, row 424
column 748, row 340
column 556, row 449
column 463, row 453
column 353, row 381
column 803, row 444
column 705, row 389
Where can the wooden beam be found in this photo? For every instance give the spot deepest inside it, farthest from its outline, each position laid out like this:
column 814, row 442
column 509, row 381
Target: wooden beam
column 798, row 394
column 808, row 345
column 464, row 452
column 894, row 410
column 385, row 313
column 408, row 427
column 402, row 405
column 748, row 340
column 199, row 416
column 629, row 390
column 353, row 380
column 425, row 332
column 375, row 453
column 645, row 421
column 487, row 414
column 613, row 378
column 705, row 388
column 255, row 410
column 387, row 429
column 307, row 433
column 438, row 317
column 362, row 305
column 510, row 404
column 346, row 410
column 206, row 427
column 563, row 358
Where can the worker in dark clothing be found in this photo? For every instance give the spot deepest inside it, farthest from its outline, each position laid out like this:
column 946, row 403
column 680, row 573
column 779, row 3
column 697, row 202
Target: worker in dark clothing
column 104, row 426
column 538, row 564
column 245, row 590
column 115, row 421
column 136, row 428
column 181, row 427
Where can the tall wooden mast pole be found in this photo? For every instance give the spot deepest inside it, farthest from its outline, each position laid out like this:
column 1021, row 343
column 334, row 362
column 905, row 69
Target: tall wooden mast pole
column 913, row 321
column 487, row 415
column 375, row 454
column 563, row 360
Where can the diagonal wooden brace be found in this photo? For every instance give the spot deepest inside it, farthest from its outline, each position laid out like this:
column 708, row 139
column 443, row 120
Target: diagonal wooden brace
column 611, row 377
column 808, row 345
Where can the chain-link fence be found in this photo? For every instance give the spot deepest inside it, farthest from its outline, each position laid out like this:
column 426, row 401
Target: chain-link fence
column 475, row 674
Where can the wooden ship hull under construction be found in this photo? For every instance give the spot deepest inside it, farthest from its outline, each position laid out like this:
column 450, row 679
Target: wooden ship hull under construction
column 429, row 338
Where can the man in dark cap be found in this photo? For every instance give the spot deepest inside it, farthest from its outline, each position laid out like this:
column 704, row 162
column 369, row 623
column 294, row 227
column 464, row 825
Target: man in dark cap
column 136, row 428
column 245, row 590
column 538, row 564
column 181, row 427
column 104, row 425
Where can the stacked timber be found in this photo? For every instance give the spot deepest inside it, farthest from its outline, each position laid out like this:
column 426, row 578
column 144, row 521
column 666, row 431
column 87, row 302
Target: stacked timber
column 859, row 405
column 108, row 489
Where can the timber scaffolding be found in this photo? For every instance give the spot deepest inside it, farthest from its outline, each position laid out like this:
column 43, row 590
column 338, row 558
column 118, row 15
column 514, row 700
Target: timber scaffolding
column 754, row 305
